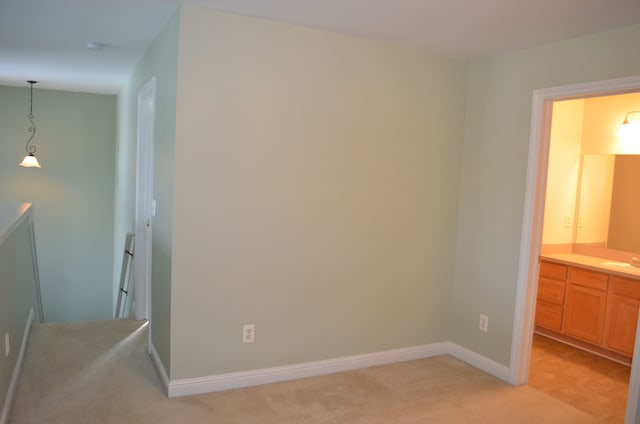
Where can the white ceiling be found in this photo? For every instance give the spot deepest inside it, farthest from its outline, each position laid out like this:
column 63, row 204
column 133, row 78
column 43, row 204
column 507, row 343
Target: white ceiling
column 46, row 40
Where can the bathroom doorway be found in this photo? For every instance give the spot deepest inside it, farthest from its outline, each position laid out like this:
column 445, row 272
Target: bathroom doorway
column 579, row 352
column 532, row 231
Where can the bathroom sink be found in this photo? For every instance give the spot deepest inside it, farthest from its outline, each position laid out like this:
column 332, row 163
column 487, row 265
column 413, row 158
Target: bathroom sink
column 617, row 264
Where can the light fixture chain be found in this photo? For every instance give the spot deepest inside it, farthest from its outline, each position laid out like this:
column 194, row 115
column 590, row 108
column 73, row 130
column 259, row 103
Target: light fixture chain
column 32, row 129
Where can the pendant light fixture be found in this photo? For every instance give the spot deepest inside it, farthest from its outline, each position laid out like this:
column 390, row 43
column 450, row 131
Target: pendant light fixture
column 30, row 160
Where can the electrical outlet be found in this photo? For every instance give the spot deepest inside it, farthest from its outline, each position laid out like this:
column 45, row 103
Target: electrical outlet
column 248, row 333
column 484, row 323
column 7, row 345
column 568, row 221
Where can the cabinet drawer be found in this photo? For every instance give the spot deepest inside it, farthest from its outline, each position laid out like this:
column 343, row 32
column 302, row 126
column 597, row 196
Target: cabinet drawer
column 586, row 278
column 553, row 270
column 551, row 291
column 549, row 316
column 625, row 287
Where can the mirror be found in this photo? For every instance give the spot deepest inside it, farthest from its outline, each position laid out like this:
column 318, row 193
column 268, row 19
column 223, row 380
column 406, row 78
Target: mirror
column 608, row 214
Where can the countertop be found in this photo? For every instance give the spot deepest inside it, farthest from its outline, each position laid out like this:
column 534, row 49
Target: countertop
column 594, row 263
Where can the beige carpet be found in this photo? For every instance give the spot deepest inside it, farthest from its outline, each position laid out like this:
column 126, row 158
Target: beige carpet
column 99, row 372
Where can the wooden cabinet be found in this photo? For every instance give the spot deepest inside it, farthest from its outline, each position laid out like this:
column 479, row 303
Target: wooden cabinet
column 622, row 315
column 553, row 271
column 590, row 307
column 551, row 289
column 548, row 316
column 586, row 278
column 621, row 320
column 586, row 305
column 584, row 313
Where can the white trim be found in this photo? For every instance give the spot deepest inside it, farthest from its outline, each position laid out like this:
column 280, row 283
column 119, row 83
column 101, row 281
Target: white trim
column 478, row 361
column 532, row 225
column 162, row 372
column 530, row 239
column 214, row 383
column 591, row 89
column 8, row 401
column 633, row 392
column 145, row 142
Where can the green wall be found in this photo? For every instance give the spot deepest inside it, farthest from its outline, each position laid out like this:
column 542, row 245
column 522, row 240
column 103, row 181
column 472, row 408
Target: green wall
column 125, row 184
column 496, row 143
column 159, row 61
column 322, row 203
column 73, row 194
column 342, row 186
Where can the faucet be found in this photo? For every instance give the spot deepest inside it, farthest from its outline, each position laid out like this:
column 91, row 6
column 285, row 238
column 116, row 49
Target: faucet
column 635, row 262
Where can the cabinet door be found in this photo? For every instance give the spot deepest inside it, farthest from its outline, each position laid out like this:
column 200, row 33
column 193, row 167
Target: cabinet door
column 620, row 325
column 585, row 313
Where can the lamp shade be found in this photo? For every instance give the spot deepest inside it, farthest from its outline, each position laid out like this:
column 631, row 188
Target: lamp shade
column 629, row 129
column 30, row 161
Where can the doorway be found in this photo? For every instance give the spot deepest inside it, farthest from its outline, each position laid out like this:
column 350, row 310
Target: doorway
column 579, row 336
column 531, row 238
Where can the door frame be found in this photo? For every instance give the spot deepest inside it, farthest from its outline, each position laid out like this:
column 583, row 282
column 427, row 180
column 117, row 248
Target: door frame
column 531, row 236
column 144, row 199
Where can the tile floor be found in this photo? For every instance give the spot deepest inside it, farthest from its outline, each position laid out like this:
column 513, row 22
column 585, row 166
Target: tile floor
column 593, row 384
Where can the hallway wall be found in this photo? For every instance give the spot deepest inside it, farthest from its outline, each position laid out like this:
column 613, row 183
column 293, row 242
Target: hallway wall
column 72, row 194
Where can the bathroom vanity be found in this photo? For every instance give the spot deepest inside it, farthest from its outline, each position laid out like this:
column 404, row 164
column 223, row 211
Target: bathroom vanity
column 589, row 302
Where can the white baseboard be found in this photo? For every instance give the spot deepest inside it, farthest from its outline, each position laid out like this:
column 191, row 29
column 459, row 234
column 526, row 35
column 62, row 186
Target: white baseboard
column 478, row 361
column 162, row 372
column 8, row 401
column 214, row 383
